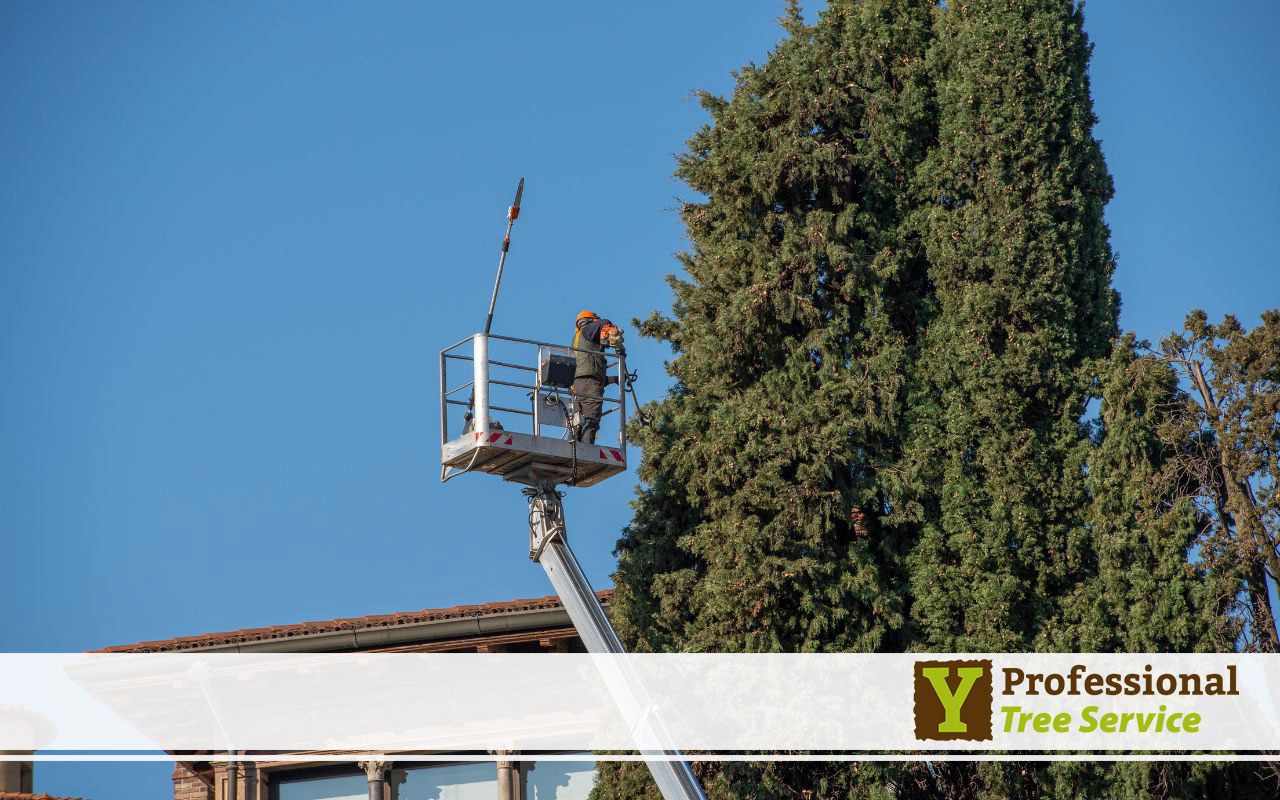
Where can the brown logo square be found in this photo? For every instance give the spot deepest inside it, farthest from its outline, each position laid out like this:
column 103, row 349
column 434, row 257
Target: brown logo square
column 953, row 699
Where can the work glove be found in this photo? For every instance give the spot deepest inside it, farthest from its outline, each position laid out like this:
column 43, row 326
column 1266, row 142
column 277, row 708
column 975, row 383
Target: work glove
column 615, row 339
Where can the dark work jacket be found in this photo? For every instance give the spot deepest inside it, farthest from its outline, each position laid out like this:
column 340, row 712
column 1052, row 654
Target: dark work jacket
column 587, row 337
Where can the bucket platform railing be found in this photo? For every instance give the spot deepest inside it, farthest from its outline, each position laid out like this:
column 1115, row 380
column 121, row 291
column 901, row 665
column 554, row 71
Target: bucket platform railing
column 513, row 413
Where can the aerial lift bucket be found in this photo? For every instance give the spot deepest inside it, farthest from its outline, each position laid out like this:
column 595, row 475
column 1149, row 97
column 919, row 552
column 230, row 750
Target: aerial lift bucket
column 535, row 446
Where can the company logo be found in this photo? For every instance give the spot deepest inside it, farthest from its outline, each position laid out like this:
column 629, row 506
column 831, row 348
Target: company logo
column 953, row 699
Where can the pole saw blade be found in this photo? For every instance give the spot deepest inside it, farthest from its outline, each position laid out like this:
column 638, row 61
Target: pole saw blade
column 514, row 211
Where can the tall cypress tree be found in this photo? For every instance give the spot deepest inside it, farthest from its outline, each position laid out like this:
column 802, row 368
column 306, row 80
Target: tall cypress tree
column 758, row 527
column 1146, row 594
column 1020, row 266
column 897, row 298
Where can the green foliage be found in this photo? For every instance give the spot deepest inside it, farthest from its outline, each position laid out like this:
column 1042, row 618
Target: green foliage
column 1086, row 780
column 1020, row 266
column 758, row 527
column 896, row 307
column 1224, row 434
column 1147, row 596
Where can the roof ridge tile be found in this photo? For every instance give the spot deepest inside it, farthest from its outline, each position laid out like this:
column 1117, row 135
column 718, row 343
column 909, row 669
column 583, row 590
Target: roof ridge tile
column 271, row 632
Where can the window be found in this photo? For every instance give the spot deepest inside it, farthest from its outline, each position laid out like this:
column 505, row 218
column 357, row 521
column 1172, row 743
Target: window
column 560, row 780
column 322, row 786
column 545, row 780
column 476, row 781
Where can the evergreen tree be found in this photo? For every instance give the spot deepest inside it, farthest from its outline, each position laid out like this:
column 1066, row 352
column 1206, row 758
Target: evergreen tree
column 1020, row 266
column 897, row 305
column 1147, row 594
column 758, row 528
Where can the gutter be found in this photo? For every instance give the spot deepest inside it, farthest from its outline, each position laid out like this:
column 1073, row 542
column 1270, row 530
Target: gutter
column 328, row 641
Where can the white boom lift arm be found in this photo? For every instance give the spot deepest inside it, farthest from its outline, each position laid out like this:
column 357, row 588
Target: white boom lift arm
column 549, row 546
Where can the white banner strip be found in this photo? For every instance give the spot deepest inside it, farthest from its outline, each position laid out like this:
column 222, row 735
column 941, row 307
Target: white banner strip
column 727, row 702
column 689, row 757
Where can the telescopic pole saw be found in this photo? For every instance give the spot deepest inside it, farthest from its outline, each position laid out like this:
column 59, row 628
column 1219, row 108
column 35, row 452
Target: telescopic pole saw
column 512, row 213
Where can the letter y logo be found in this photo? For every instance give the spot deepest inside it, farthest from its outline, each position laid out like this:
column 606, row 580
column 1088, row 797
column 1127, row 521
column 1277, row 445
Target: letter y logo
column 953, row 700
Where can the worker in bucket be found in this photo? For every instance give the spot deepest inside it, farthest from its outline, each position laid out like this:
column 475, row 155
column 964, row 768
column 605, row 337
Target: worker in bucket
column 592, row 336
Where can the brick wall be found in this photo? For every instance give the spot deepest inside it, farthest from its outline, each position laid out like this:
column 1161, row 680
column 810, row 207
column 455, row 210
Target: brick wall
column 190, row 784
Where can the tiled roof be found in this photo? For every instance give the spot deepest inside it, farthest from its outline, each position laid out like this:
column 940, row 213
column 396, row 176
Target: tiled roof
column 344, row 625
column 30, row 796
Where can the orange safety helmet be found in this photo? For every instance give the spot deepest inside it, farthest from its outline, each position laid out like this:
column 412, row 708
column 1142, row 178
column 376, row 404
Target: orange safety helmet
column 584, row 315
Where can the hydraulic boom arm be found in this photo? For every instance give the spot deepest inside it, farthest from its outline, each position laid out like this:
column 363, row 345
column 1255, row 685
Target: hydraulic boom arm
column 549, row 546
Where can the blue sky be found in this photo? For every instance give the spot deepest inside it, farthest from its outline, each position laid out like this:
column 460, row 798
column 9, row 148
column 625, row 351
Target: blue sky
column 234, row 237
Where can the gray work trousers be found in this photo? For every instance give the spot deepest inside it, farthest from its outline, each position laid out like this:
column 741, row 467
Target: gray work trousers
column 589, row 407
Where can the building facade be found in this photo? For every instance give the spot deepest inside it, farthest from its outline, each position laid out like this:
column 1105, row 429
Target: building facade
column 15, row 776
column 538, row 625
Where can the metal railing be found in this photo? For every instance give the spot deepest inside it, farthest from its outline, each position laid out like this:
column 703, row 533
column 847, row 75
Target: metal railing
column 479, row 402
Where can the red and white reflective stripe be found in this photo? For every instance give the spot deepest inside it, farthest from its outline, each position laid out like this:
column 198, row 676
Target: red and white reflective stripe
column 616, row 455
